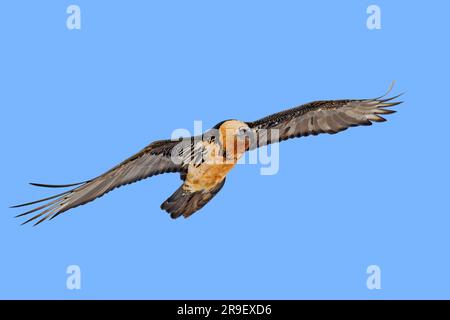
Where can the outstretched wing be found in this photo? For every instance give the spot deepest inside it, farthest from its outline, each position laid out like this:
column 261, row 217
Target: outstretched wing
column 331, row 116
column 156, row 158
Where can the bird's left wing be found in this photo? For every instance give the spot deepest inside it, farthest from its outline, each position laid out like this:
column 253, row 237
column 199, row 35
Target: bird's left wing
column 330, row 116
column 156, row 158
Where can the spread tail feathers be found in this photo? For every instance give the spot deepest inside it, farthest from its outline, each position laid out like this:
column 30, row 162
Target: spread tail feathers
column 185, row 203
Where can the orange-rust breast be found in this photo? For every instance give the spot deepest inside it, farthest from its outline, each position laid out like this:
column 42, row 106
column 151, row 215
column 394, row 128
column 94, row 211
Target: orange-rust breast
column 220, row 158
column 206, row 176
column 210, row 173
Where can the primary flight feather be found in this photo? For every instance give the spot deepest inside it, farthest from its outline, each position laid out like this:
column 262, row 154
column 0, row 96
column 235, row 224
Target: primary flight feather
column 204, row 161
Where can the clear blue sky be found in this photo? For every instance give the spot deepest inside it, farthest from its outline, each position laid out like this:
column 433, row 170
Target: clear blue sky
column 76, row 102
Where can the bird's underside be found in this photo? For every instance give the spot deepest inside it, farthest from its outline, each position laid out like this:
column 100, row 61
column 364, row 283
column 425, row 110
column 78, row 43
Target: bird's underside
column 204, row 161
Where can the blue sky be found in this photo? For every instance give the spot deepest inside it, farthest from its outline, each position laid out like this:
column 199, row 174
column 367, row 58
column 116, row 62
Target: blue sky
column 77, row 102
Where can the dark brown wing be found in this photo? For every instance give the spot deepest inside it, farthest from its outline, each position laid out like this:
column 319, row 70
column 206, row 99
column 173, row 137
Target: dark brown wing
column 331, row 116
column 154, row 159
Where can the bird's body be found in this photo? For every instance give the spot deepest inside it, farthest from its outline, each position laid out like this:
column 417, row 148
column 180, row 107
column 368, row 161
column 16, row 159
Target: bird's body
column 204, row 161
column 206, row 176
column 218, row 160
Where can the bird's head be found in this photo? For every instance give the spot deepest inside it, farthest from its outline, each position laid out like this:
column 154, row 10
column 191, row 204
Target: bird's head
column 234, row 136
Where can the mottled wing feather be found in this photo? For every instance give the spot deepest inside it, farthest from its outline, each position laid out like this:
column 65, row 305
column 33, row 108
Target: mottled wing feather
column 330, row 116
column 152, row 160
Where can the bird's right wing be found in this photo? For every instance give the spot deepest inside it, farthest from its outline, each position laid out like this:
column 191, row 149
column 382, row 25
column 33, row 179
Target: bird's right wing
column 157, row 158
column 329, row 116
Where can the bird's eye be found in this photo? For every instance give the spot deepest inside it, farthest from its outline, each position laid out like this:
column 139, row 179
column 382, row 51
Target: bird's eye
column 242, row 131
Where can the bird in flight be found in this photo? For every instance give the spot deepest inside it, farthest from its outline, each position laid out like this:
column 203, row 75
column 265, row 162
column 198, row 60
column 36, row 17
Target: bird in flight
column 204, row 161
